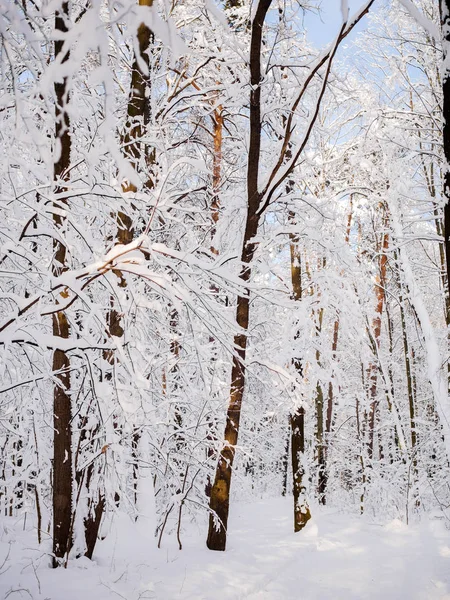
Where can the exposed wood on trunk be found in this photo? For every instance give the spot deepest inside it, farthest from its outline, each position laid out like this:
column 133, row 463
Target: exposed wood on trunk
column 62, row 413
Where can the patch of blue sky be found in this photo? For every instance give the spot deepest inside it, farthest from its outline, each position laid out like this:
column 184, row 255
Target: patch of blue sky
column 323, row 25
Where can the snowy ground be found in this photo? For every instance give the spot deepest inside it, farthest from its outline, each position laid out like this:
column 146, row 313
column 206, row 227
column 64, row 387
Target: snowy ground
column 335, row 557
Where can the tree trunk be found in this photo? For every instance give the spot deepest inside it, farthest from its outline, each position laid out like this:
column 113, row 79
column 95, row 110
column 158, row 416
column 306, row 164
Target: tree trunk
column 220, row 492
column 409, row 381
column 320, row 443
column 302, row 513
column 445, row 22
column 323, row 474
column 217, row 170
column 62, row 450
column 138, row 116
column 138, row 110
column 380, row 295
column 215, row 213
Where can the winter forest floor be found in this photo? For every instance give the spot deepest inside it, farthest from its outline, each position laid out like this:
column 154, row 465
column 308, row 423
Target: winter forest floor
column 336, row 556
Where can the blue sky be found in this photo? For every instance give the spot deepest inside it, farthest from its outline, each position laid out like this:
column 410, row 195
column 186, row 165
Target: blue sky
column 322, row 29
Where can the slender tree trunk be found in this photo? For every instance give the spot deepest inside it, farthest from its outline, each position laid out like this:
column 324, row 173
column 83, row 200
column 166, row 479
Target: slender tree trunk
column 409, row 378
column 215, row 213
column 323, row 474
column 138, row 112
column 92, row 523
column 445, row 22
column 217, row 170
column 302, row 512
column 62, row 413
column 285, row 460
column 330, row 399
column 390, row 393
column 442, row 259
column 361, row 454
column 320, row 442
column 138, row 115
column 380, row 295
column 409, row 381
column 220, row 492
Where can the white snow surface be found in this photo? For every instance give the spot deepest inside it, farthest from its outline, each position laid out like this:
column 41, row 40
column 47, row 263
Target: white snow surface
column 336, row 557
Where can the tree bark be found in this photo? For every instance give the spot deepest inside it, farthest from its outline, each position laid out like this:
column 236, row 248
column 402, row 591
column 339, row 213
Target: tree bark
column 215, row 213
column 323, row 474
column 62, row 450
column 445, row 22
column 138, row 116
column 220, row 492
column 302, row 512
column 138, row 110
column 380, row 295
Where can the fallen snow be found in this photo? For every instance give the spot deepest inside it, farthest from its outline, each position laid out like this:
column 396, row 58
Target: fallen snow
column 335, row 557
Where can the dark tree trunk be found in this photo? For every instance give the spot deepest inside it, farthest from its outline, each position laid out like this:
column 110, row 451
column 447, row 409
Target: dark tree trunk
column 302, row 513
column 92, row 525
column 138, row 117
column 138, row 110
column 285, row 461
column 257, row 202
column 445, row 19
column 62, row 451
column 445, row 22
column 220, row 492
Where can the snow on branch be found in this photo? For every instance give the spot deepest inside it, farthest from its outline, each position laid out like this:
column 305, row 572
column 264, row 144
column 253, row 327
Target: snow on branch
column 421, row 19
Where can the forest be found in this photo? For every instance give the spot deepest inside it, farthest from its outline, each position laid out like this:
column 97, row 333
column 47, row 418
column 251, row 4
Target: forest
column 224, row 299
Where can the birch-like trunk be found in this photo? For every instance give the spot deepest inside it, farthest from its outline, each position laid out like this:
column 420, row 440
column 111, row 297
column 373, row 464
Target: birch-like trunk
column 302, row 513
